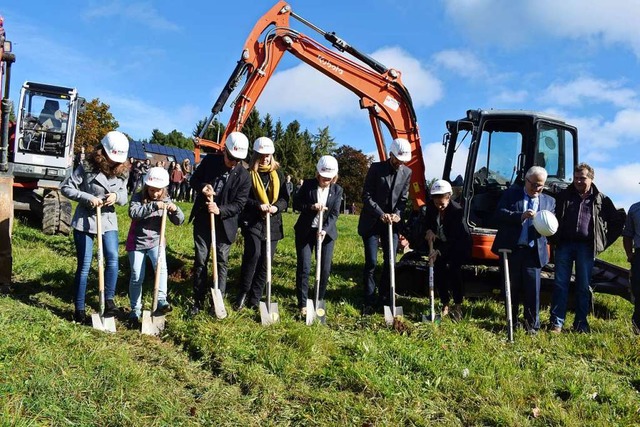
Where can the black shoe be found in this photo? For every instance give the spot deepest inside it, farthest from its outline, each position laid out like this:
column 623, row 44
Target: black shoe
column 80, row 316
column 368, row 310
column 241, row 301
column 195, row 309
column 110, row 309
column 164, row 307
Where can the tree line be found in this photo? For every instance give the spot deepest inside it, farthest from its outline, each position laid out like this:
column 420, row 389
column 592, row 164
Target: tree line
column 297, row 149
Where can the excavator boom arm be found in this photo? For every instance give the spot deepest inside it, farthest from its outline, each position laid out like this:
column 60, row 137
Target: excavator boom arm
column 379, row 89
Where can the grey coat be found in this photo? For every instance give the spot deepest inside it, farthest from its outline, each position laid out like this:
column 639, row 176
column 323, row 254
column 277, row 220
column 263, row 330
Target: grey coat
column 82, row 186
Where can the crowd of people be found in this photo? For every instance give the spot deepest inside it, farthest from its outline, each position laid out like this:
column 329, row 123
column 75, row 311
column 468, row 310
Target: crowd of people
column 229, row 196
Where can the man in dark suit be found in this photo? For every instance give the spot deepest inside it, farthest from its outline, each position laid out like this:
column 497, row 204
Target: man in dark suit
column 221, row 186
column 451, row 245
column 384, row 198
column 516, row 232
column 319, row 193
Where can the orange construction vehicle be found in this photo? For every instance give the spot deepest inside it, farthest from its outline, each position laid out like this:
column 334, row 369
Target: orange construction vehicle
column 379, row 88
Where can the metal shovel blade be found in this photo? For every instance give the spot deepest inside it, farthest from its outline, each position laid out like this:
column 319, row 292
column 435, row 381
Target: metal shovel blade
column 311, row 312
column 389, row 314
column 321, row 312
column 269, row 316
column 152, row 325
column 429, row 318
column 218, row 303
column 105, row 324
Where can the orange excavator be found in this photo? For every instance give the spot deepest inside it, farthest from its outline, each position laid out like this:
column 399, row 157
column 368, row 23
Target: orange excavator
column 379, row 88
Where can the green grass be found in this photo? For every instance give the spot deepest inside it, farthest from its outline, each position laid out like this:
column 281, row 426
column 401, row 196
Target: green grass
column 355, row 371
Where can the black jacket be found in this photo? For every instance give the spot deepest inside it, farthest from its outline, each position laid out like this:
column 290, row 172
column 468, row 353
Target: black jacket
column 252, row 218
column 458, row 244
column 230, row 199
column 308, row 196
column 607, row 220
column 376, row 192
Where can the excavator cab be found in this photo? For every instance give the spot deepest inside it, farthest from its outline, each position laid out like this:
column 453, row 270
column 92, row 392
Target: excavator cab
column 499, row 147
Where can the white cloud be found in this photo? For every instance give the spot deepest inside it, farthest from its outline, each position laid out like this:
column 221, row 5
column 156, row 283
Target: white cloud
column 621, row 183
column 509, row 23
column 309, row 94
column 434, row 156
column 463, row 63
column 507, row 97
column 143, row 13
column 588, row 89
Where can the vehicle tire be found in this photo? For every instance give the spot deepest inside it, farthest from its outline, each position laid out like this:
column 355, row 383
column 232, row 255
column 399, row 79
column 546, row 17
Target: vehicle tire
column 56, row 213
column 64, row 225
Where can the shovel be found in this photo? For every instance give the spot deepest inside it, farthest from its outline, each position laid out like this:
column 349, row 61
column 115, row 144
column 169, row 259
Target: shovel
column 152, row 323
column 316, row 308
column 216, row 295
column 507, row 292
column 106, row 324
column 268, row 311
column 432, row 317
column 391, row 312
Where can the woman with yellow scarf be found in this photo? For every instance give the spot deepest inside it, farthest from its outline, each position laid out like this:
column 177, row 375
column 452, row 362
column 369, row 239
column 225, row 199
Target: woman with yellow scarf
column 268, row 194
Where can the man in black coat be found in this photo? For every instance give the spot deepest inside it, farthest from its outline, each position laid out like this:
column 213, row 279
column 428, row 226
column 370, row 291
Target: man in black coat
column 315, row 194
column 221, row 186
column 384, row 198
column 529, row 253
column 451, row 245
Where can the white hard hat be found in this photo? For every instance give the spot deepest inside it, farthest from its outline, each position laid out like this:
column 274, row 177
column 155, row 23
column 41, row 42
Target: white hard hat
column 116, row 146
column 237, row 145
column 546, row 223
column 264, row 145
column 441, row 187
column 401, row 148
column 157, row 177
column 327, row 167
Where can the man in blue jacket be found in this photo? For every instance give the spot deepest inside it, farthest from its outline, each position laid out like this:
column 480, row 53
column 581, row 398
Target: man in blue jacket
column 516, row 209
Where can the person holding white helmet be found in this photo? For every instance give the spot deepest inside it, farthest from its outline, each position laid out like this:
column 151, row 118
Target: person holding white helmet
column 516, row 209
column 145, row 210
column 384, row 198
column 99, row 180
column 316, row 194
column 221, row 186
column 268, row 194
column 451, row 245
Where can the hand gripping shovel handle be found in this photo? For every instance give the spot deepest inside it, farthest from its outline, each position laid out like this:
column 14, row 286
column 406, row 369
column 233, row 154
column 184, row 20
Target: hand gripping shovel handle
column 507, row 292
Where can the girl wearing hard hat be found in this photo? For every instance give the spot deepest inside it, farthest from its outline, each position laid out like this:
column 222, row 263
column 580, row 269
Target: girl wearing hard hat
column 146, row 210
column 99, row 180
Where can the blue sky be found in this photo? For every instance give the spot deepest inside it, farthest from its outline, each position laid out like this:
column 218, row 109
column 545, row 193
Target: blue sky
column 161, row 64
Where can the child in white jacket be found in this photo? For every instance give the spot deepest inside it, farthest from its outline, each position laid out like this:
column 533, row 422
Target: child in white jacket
column 145, row 210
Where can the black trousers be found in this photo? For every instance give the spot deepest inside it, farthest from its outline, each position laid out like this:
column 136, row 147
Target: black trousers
column 254, row 267
column 306, row 244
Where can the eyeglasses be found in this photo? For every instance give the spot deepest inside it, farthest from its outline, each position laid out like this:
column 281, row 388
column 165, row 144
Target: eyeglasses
column 535, row 184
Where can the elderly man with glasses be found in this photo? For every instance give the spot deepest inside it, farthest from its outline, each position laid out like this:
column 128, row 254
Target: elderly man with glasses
column 516, row 209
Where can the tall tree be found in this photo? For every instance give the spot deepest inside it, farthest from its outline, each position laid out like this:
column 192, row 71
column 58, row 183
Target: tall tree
column 267, row 127
column 93, row 124
column 214, row 131
column 173, row 139
column 353, row 165
column 252, row 128
column 323, row 143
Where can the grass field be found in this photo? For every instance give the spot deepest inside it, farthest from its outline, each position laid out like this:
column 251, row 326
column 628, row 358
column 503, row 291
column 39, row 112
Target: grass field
column 355, row 371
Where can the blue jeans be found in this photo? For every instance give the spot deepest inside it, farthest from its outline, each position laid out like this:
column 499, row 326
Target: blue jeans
column 138, row 267
column 84, row 253
column 370, row 261
column 566, row 254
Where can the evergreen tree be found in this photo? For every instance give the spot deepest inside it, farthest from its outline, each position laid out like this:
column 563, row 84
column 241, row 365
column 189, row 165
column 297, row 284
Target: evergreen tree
column 353, row 166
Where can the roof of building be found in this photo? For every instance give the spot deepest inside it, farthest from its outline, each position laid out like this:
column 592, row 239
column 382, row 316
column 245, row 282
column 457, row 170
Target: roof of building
column 139, row 150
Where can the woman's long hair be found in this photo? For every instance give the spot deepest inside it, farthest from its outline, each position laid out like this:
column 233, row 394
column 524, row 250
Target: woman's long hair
column 255, row 163
column 100, row 161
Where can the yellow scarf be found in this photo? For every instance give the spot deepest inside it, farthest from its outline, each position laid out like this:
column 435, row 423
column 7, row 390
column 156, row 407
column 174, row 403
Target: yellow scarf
column 258, row 186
